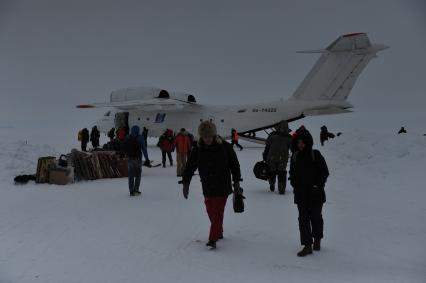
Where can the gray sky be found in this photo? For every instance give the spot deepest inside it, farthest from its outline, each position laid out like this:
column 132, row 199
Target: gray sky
column 55, row 54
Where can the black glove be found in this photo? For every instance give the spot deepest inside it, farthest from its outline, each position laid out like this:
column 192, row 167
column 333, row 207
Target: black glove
column 185, row 190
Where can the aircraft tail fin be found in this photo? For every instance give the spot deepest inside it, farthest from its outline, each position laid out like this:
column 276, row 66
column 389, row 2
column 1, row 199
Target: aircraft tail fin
column 336, row 71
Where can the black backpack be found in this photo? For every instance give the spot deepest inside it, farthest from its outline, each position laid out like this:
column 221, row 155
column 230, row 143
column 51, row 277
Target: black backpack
column 133, row 147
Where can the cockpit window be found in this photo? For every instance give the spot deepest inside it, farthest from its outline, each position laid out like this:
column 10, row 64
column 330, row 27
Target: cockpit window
column 107, row 114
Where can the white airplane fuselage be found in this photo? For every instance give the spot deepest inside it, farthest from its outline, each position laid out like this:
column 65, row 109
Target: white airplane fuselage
column 243, row 118
column 324, row 90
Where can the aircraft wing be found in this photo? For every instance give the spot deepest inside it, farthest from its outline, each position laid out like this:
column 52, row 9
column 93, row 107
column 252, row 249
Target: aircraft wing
column 145, row 104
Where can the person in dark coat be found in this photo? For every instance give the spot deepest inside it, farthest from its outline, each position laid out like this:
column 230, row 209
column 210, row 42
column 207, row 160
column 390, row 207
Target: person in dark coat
column 167, row 145
column 94, row 137
column 299, row 131
column 276, row 156
column 84, row 139
column 216, row 162
column 145, row 135
column 325, row 134
column 308, row 174
column 402, row 131
column 111, row 134
column 134, row 146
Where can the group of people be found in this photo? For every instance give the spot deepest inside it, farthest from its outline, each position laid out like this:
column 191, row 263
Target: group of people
column 308, row 174
column 84, row 137
column 220, row 173
column 220, row 176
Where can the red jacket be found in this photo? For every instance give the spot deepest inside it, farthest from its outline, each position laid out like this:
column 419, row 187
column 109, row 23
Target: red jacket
column 121, row 134
column 183, row 143
column 167, row 141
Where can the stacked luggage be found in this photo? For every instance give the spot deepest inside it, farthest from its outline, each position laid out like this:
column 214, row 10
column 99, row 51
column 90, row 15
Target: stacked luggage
column 98, row 165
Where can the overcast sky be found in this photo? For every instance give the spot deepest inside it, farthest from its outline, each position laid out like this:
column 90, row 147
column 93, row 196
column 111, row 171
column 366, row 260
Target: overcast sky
column 55, row 54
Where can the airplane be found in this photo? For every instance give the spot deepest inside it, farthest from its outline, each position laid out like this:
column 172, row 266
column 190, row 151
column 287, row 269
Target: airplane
column 323, row 91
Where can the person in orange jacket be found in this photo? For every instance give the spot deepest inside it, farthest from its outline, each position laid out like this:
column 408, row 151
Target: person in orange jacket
column 183, row 147
column 234, row 139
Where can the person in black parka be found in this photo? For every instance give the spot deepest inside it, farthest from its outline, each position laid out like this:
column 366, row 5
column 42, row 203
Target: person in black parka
column 325, row 135
column 84, row 139
column 216, row 162
column 308, row 174
column 94, row 137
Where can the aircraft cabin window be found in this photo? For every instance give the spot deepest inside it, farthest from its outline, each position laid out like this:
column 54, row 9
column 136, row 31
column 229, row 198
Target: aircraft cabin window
column 160, row 117
column 107, row 114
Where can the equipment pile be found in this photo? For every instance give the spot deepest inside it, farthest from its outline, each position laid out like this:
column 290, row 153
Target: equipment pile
column 77, row 166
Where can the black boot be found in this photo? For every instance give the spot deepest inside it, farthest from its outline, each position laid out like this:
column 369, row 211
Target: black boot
column 211, row 245
column 281, row 188
column 307, row 250
column 317, row 244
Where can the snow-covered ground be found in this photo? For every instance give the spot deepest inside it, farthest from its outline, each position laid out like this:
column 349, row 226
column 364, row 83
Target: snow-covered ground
column 375, row 226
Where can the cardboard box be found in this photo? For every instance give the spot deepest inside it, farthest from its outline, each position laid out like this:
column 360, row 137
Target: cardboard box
column 59, row 177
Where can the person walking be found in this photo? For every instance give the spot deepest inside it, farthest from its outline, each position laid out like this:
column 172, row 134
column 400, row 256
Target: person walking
column 234, row 139
column 276, row 156
column 134, row 146
column 94, row 137
column 216, row 162
column 167, row 145
column 308, row 175
column 402, row 131
column 325, row 135
column 145, row 135
column 183, row 146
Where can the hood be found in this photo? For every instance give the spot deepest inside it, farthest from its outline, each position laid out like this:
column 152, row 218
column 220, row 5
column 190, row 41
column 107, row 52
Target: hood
column 135, row 131
column 307, row 139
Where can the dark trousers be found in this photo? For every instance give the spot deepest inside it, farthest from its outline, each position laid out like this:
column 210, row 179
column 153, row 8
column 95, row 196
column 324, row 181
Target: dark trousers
column 237, row 144
column 311, row 224
column 282, row 179
column 83, row 146
column 135, row 172
column 215, row 207
column 169, row 154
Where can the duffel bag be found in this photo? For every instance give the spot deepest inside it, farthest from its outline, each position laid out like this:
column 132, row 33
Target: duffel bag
column 261, row 170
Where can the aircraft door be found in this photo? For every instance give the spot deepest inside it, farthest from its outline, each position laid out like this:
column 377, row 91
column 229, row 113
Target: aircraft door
column 121, row 120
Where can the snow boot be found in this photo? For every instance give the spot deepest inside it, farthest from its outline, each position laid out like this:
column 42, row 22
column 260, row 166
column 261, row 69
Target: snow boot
column 132, row 194
column 307, row 250
column 281, row 188
column 137, row 193
column 221, row 236
column 317, row 244
column 271, row 185
column 211, row 245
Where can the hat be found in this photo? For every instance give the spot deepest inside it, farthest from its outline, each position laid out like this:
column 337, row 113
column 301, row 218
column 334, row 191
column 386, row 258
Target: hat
column 283, row 127
column 207, row 129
